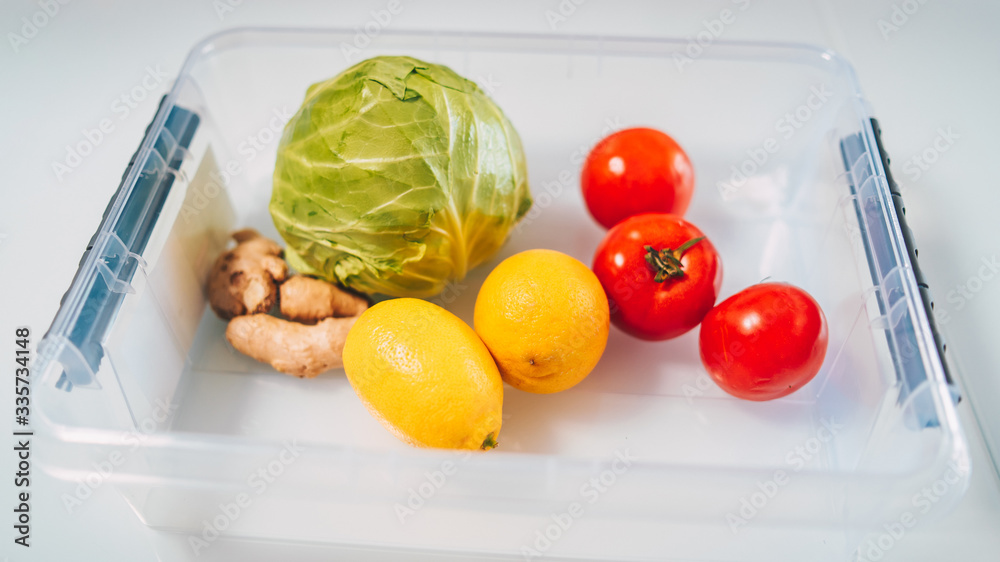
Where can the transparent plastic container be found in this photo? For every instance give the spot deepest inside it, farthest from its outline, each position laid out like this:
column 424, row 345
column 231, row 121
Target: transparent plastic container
column 647, row 458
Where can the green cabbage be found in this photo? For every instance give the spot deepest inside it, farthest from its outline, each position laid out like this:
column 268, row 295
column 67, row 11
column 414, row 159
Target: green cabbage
column 396, row 177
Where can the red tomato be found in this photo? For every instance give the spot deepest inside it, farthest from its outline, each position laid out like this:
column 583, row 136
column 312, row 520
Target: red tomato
column 764, row 342
column 660, row 273
column 636, row 171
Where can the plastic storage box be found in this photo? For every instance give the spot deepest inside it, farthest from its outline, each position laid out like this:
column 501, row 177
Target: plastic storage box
column 646, row 459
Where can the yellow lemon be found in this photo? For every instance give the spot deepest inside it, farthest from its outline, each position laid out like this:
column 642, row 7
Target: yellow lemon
column 544, row 316
column 425, row 375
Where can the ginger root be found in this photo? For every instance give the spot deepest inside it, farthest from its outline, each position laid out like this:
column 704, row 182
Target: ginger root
column 308, row 300
column 290, row 347
column 245, row 280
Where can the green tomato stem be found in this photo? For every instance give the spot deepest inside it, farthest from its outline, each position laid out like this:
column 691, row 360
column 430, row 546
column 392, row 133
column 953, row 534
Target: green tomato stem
column 667, row 262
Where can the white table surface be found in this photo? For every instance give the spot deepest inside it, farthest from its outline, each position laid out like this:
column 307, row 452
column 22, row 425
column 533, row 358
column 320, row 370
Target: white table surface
column 939, row 69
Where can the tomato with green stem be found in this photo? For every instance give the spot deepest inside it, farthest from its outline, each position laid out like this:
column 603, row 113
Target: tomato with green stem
column 660, row 273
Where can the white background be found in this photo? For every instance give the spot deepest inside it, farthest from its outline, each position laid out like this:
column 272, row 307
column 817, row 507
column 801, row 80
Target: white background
column 938, row 69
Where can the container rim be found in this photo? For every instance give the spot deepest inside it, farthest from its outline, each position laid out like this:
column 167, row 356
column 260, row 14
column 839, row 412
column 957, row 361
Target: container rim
column 951, row 446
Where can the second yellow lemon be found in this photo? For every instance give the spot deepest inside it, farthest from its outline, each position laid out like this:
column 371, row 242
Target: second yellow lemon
column 544, row 317
column 425, row 375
